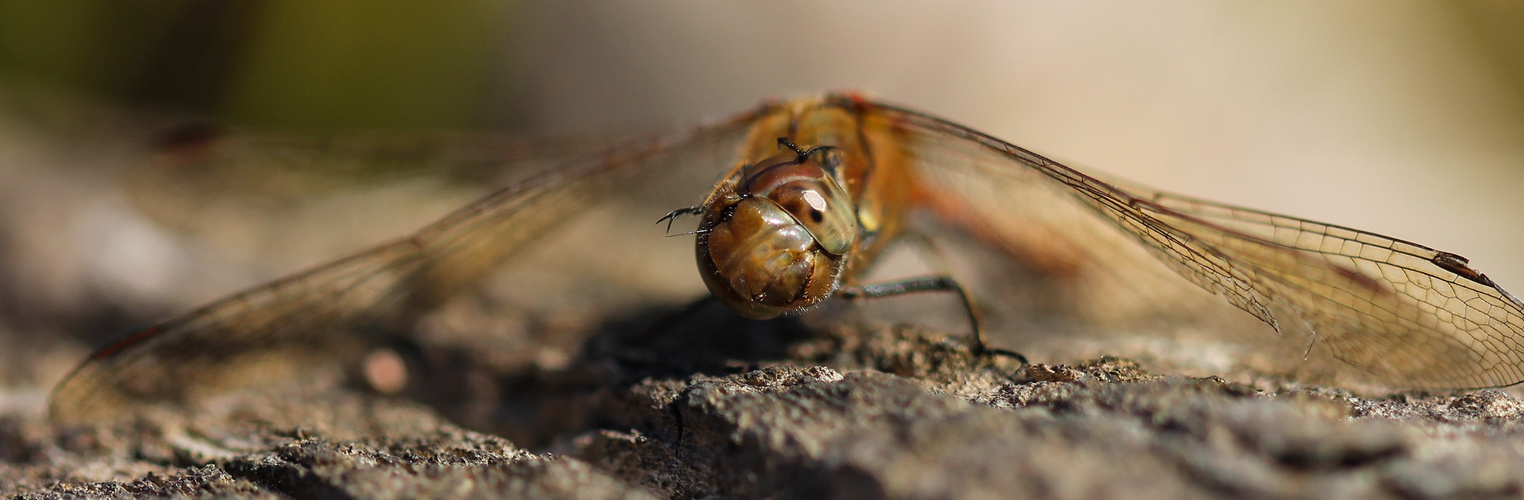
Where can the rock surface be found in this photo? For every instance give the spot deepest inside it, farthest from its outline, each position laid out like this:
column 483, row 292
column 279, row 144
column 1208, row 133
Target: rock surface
column 896, row 414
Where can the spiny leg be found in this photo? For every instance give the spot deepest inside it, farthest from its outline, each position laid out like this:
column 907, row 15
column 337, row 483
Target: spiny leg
column 936, row 283
column 675, row 214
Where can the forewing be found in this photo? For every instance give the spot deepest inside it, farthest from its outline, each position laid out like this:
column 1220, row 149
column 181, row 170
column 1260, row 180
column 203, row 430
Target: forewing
column 281, row 198
column 1394, row 312
column 307, row 324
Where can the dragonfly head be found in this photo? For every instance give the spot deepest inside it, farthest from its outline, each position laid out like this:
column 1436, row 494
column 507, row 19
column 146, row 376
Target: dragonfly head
column 774, row 238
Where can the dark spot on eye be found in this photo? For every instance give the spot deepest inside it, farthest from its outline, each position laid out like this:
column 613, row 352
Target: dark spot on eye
column 816, row 216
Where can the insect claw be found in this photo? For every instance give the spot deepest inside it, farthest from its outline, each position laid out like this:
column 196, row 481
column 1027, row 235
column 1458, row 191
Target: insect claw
column 673, row 215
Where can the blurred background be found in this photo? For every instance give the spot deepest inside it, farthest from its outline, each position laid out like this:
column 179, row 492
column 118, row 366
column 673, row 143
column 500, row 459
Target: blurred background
column 1403, row 118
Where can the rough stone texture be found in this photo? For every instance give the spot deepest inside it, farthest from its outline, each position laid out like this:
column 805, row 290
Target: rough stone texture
column 413, row 455
column 897, row 413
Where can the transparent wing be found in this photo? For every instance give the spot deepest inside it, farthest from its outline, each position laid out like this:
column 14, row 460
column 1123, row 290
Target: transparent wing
column 248, row 193
column 1399, row 313
column 205, row 157
column 309, row 323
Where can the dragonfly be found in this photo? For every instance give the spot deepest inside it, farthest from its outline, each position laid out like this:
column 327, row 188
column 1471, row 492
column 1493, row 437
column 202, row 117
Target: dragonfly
column 805, row 197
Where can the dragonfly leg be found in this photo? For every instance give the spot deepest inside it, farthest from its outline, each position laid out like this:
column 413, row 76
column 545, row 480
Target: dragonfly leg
column 932, row 284
column 673, row 215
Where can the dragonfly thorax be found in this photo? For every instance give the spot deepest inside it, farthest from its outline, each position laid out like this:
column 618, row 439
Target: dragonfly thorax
column 775, row 239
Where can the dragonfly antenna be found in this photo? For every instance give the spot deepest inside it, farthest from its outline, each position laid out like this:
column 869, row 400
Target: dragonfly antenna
column 803, row 153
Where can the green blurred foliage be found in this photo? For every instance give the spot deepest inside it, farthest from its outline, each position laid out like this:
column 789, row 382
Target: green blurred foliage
column 330, row 64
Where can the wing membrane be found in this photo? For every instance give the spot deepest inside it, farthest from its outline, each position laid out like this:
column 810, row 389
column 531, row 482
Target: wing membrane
column 304, row 324
column 1400, row 313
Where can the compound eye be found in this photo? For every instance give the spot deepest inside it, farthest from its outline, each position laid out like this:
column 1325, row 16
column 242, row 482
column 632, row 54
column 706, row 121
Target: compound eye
column 811, row 195
column 823, row 208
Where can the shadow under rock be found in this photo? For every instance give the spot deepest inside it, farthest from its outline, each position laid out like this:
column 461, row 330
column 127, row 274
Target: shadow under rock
column 533, row 405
